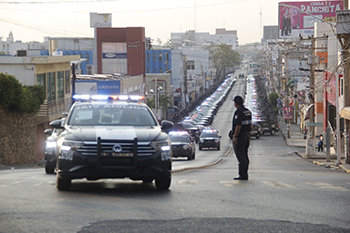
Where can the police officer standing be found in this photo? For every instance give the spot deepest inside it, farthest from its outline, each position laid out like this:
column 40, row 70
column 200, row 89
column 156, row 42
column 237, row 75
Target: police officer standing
column 241, row 127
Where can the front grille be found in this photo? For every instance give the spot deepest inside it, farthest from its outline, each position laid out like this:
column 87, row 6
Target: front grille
column 90, row 148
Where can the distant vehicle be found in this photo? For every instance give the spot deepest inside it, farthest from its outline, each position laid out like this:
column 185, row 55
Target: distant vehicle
column 268, row 127
column 51, row 150
column 182, row 144
column 241, row 75
column 256, row 131
column 209, row 139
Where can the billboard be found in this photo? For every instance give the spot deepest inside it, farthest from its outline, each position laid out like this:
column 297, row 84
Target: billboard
column 298, row 18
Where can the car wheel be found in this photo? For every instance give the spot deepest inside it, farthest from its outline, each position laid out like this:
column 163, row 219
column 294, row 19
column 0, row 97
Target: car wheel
column 194, row 155
column 273, row 132
column 200, row 148
column 219, row 147
column 163, row 184
column 257, row 136
column 147, row 180
column 49, row 169
column 63, row 184
column 190, row 157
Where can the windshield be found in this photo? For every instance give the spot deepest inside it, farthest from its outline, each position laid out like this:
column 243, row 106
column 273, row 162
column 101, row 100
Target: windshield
column 179, row 138
column 209, row 135
column 110, row 114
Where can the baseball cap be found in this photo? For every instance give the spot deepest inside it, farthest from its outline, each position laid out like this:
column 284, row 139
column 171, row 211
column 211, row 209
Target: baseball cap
column 238, row 100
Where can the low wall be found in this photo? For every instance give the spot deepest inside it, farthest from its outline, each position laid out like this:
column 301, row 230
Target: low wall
column 17, row 137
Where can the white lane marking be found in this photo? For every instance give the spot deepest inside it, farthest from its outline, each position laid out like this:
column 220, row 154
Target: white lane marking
column 327, row 186
column 233, row 183
column 278, row 184
column 10, row 182
column 188, row 182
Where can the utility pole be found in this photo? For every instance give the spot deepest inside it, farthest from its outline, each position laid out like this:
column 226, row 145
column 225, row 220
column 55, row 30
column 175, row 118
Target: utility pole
column 344, row 39
column 74, row 78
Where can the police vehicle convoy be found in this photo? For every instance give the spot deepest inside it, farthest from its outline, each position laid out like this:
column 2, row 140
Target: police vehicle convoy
column 209, row 139
column 112, row 137
column 182, row 144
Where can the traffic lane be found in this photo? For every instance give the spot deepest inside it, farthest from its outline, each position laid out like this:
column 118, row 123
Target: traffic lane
column 223, row 123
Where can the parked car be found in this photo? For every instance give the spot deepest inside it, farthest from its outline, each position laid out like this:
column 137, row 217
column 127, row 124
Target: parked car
column 209, row 139
column 256, row 131
column 182, row 144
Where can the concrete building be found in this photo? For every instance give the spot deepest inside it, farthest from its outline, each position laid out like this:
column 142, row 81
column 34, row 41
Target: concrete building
column 221, row 36
column 10, row 46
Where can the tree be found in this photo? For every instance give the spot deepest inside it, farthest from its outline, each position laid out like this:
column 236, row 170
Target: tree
column 224, row 58
column 151, row 102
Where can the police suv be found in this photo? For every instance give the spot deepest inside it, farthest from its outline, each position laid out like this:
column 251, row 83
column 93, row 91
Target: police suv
column 112, row 137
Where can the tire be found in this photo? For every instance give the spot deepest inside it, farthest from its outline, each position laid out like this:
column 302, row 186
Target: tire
column 49, row 169
column 190, row 157
column 272, row 132
column 63, row 184
column 218, row 147
column 257, row 136
column 194, row 155
column 163, row 184
column 200, row 148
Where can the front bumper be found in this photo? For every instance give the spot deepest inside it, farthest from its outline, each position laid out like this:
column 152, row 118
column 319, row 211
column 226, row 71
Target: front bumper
column 99, row 165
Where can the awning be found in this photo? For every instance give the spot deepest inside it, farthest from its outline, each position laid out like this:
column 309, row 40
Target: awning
column 307, row 112
column 345, row 113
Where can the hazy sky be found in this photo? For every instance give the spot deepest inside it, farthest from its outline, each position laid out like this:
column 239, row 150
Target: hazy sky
column 31, row 20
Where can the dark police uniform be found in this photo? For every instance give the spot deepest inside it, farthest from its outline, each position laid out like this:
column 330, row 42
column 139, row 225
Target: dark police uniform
column 242, row 117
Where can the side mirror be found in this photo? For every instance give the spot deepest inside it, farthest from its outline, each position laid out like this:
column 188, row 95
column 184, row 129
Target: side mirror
column 56, row 124
column 48, row 132
column 166, row 125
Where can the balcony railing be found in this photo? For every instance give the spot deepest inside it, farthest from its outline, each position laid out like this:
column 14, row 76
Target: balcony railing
column 55, row 107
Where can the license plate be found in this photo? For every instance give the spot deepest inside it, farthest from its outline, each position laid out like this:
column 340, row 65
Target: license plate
column 115, row 154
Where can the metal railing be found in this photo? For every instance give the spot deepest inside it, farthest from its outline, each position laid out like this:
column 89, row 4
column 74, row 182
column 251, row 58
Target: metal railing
column 55, row 107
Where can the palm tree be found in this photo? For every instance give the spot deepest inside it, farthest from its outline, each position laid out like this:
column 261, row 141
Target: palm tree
column 164, row 103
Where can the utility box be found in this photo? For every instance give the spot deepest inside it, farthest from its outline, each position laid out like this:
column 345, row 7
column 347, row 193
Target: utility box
column 343, row 22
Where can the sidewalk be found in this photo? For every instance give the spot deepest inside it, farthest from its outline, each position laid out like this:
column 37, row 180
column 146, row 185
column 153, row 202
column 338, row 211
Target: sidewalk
column 297, row 140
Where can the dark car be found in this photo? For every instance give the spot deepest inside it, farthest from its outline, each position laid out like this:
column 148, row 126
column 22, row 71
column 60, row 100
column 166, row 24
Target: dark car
column 209, row 139
column 182, row 144
column 256, row 131
column 114, row 139
column 51, row 150
column 268, row 127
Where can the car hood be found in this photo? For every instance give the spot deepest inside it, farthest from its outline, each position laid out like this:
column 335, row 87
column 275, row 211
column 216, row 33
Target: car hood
column 85, row 133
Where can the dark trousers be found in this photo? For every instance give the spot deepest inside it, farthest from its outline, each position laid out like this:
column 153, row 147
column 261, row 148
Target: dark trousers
column 241, row 150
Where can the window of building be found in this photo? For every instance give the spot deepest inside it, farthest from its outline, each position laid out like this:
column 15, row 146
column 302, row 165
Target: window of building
column 76, row 40
column 40, row 80
column 154, row 57
column 148, row 58
column 190, row 65
column 60, row 84
column 67, row 78
column 166, row 56
column 160, row 57
column 160, row 70
column 51, row 90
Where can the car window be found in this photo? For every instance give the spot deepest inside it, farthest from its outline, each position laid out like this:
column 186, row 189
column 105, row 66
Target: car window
column 209, row 135
column 179, row 138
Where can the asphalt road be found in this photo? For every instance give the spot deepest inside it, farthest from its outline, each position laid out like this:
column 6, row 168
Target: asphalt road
column 285, row 193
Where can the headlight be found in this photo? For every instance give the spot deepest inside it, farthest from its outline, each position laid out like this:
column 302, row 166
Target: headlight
column 186, row 147
column 164, row 147
column 161, row 145
column 68, row 148
column 201, row 140
column 50, row 144
column 216, row 140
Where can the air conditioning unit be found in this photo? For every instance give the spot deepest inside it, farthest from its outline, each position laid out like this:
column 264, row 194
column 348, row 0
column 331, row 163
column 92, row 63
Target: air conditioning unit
column 89, row 69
